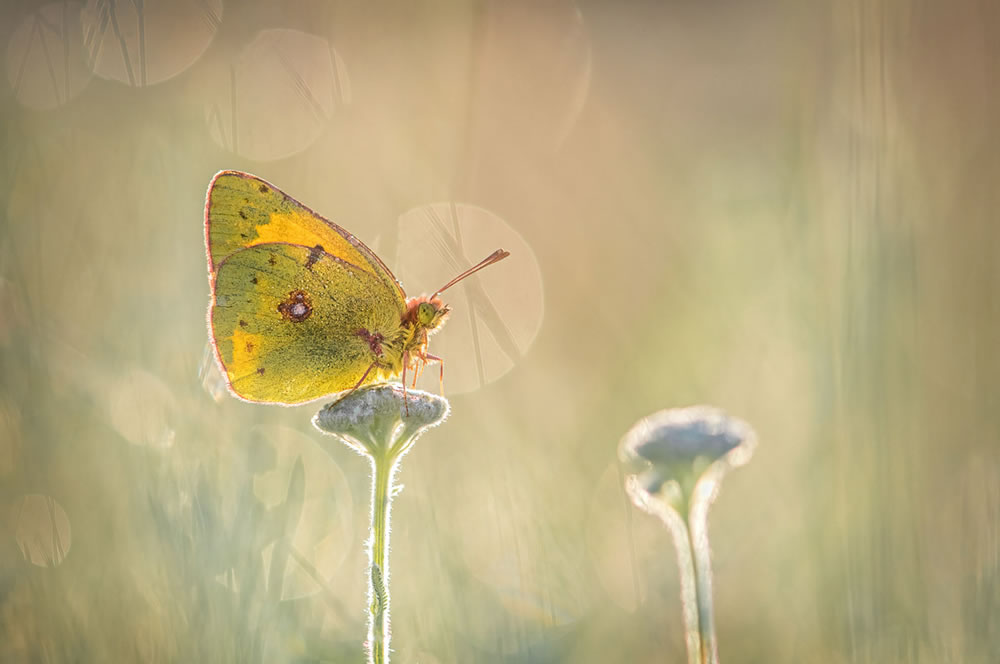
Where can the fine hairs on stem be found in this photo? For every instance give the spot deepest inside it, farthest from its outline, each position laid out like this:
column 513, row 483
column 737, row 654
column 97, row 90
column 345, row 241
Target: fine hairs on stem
column 381, row 423
column 675, row 460
column 678, row 529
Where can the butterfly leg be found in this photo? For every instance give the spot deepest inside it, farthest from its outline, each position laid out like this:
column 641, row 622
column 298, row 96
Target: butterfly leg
column 363, row 376
column 406, row 362
column 358, row 384
column 440, row 361
column 421, row 354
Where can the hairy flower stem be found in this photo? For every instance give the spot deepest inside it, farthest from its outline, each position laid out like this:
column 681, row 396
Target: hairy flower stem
column 675, row 460
column 690, row 537
column 701, row 553
column 381, row 423
column 690, row 605
column 383, row 470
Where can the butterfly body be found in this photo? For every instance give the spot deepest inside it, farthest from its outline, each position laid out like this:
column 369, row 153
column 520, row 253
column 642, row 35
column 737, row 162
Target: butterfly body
column 300, row 307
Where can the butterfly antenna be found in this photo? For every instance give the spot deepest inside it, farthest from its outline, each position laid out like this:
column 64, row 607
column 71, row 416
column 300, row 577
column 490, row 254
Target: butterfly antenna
column 495, row 257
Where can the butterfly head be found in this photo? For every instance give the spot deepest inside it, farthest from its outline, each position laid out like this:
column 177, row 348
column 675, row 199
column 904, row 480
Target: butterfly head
column 428, row 312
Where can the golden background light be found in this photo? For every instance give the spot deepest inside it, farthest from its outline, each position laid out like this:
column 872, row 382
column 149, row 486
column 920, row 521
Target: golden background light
column 785, row 209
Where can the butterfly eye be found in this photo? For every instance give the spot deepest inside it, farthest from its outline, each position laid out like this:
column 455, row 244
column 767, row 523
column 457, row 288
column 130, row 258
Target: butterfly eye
column 426, row 312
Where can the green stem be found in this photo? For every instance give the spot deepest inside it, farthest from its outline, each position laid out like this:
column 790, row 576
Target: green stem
column 702, row 555
column 689, row 594
column 383, row 468
column 382, row 424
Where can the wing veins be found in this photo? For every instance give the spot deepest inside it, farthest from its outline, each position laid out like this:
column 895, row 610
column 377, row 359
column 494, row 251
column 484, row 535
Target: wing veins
column 376, row 263
column 337, row 259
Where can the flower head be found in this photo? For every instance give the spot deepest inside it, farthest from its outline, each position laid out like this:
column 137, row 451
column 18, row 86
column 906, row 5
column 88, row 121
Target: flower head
column 381, row 421
column 673, row 448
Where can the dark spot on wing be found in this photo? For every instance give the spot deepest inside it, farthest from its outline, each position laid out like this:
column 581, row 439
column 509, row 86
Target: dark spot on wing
column 243, row 214
column 261, row 371
column 243, row 323
column 262, row 189
column 253, row 280
column 250, row 346
column 271, row 261
column 314, row 255
column 296, row 307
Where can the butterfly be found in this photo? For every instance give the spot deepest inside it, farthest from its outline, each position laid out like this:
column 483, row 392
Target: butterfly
column 301, row 308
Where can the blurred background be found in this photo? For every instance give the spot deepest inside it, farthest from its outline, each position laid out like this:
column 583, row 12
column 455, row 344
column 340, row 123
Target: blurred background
column 784, row 209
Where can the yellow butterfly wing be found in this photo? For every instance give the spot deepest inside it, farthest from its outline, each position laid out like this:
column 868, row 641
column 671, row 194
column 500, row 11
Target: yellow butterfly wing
column 242, row 210
column 292, row 323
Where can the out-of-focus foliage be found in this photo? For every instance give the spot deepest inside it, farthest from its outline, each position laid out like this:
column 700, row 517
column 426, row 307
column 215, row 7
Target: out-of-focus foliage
column 786, row 209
